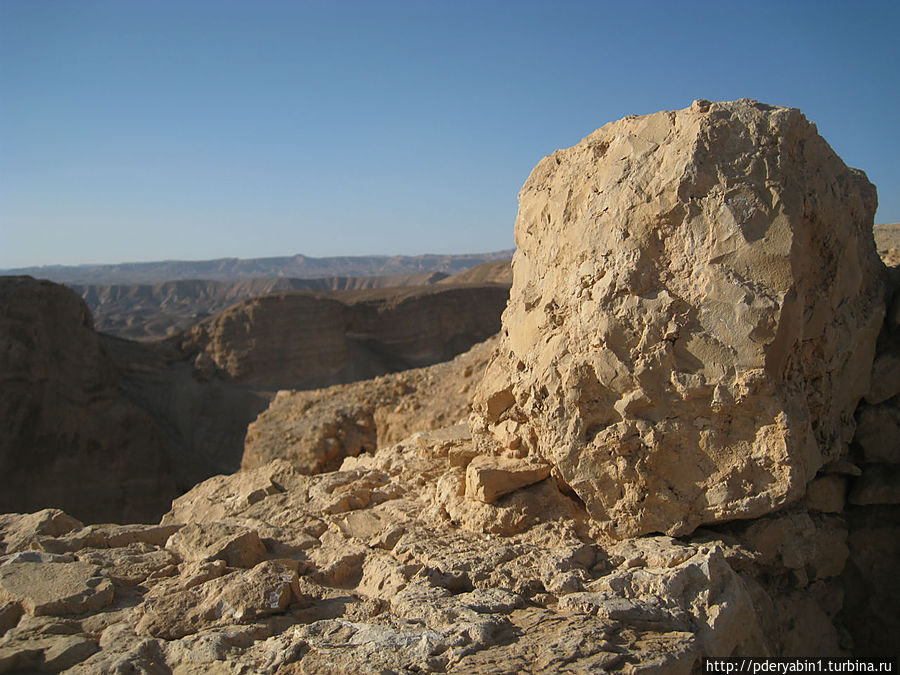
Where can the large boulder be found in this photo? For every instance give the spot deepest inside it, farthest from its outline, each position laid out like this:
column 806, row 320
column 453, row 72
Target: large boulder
column 693, row 316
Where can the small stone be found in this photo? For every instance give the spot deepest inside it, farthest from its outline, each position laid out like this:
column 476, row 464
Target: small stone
column 237, row 546
column 488, row 478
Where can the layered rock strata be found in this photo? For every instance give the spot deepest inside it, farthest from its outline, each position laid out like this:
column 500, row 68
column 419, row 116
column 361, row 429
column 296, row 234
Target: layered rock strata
column 305, row 340
column 154, row 311
column 693, row 316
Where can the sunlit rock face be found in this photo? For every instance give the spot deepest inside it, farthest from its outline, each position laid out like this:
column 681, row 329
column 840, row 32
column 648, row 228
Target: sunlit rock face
column 693, row 316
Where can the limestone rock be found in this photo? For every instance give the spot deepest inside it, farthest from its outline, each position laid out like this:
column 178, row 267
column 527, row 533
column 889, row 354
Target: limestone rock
column 160, row 310
column 885, row 378
column 335, row 339
column 112, row 430
column 171, row 612
column 10, row 612
column 46, row 654
column 128, row 565
column 827, row 494
column 887, row 238
column 693, row 316
column 315, row 430
column 813, row 548
column 489, row 478
column 203, row 542
column 384, row 571
column 102, row 536
column 23, row 531
column 55, row 588
column 219, row 497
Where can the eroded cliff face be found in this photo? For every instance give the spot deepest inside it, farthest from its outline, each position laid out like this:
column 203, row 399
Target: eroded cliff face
column 155, row 311
column 112, row 430
column 306, row 340
column 693, row 316
column 69, row 436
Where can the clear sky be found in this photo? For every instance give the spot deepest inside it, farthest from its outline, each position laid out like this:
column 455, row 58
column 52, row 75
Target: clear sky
column 179, row 129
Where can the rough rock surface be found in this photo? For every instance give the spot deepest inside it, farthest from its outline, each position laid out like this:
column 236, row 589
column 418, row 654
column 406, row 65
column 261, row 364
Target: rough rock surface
column 873, row 492
column 384, row 566
column 55, row 588
column 693, row 316
column 887, row 239
column 315, row 430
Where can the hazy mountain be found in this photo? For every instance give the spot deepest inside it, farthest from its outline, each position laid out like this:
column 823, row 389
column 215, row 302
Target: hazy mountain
column 234, row 269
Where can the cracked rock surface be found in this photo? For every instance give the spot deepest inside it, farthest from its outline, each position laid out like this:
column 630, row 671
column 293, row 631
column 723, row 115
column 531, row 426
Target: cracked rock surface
column 695, row 304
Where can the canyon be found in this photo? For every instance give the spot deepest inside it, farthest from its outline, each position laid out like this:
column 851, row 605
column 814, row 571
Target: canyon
column 679, row 441
column 110, row 429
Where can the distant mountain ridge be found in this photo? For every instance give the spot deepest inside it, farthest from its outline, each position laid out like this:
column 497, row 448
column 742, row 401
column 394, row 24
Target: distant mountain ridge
column 236, row 269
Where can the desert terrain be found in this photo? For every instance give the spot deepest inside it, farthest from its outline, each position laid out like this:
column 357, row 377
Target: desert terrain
column 667, row 432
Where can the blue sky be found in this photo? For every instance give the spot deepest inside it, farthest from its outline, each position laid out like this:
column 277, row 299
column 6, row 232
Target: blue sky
column 149, row 130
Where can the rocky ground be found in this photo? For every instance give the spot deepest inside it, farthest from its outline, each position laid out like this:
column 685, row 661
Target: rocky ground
column 700, row 341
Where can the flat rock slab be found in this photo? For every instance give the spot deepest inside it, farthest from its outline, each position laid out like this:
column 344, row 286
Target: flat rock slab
column 19, row 531
column 55, row 588
column 128, row 565
column 237, row 546
column 50, row 654
column 488, row 478
column 107, row 536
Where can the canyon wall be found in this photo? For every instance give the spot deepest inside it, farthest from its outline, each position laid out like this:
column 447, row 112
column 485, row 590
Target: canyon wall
column 69, row 437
